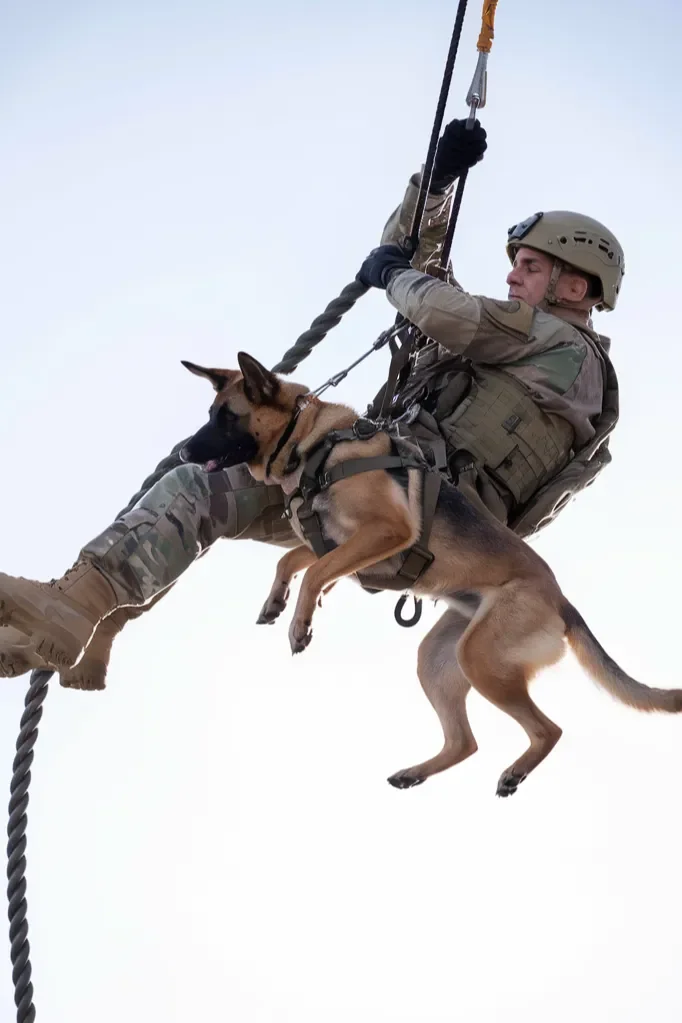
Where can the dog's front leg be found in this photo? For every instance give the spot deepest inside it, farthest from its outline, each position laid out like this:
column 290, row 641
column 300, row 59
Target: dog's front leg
column 374, row 541
column 291, row 564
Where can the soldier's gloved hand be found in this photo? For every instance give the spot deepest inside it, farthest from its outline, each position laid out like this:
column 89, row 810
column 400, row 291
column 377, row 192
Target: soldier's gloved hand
column 379, row 266
column 459, row 149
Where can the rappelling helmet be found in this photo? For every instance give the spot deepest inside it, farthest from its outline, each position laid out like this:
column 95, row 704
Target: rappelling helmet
column 579, row 241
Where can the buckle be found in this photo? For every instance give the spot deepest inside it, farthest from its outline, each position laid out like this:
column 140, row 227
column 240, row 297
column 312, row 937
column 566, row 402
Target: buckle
column 324, row 480
column 426, row 356
column 364, row 428
column 417, row 560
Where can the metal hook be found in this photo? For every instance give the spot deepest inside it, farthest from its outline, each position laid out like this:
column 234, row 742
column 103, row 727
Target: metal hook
column 478, row 90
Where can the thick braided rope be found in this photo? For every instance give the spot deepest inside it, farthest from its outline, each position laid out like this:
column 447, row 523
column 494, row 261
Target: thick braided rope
column 37, row 691
column 331, row 316
column 320, row 327
column 20, row 949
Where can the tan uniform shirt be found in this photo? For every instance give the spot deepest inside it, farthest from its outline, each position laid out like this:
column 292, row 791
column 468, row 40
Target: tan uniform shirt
column 558, row 361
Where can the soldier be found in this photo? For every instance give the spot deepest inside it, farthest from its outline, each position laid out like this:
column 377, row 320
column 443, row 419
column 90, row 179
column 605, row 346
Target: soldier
column 521, row 390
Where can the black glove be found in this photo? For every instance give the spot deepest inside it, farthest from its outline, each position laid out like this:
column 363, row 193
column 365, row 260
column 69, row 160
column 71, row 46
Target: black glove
column 458, row 150
column 376, row 270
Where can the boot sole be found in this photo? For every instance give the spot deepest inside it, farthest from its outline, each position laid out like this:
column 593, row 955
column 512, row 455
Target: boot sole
column 89, row 677
column 55, row 647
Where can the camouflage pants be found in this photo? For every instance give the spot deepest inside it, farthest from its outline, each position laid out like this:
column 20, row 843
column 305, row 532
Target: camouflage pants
column 185, row 510
column 146, row 549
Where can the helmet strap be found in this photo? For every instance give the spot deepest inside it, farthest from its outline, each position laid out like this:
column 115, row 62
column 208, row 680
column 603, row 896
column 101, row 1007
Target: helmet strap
column 550, row 294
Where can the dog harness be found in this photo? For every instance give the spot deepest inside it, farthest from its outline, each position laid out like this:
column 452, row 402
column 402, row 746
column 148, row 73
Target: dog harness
column 316, row 478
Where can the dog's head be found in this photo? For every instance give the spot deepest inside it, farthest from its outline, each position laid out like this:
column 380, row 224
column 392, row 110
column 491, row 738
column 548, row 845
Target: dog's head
column 250, row 412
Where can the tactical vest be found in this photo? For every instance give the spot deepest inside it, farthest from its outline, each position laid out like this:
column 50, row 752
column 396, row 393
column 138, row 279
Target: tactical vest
column 532, row 457
column 501, row 427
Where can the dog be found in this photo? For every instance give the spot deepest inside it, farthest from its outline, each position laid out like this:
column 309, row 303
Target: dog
column 506, row 615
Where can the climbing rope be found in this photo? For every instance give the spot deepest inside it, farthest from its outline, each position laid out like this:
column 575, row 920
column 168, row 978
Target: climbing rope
column 320, row 327
column 476, row 99
column 18, row 804
column 425, row 182
column 16, row 846
column 318, row 330
column 345, row 301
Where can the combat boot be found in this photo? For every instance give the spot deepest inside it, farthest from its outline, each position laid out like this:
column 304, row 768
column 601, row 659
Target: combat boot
column 59, row 617
column 91, row 671
column 135, row 560
column 17, row 654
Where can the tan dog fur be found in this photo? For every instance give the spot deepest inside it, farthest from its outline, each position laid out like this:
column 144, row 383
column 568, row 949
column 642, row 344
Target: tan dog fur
column 507, row 617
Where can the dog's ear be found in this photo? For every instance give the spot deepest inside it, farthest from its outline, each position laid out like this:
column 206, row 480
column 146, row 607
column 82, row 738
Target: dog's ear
column 260, row 385
column 218, row 377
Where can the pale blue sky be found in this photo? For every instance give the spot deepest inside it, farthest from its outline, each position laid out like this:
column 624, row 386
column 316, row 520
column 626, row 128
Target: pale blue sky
column 213, row 836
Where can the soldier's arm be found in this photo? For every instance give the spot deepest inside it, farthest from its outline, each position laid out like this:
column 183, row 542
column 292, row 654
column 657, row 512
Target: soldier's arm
column 434, row 224
column 443, row 312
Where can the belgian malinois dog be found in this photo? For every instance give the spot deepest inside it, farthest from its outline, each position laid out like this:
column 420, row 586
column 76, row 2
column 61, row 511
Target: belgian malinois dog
column 507, row 617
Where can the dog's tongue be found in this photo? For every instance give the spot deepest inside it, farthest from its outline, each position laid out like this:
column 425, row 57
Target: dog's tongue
column 211, row 465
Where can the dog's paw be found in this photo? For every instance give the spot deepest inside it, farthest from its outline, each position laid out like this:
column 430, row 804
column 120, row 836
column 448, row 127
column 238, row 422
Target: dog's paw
column 272, row 608
column 509, row 783
column 406, row 779
column 300, row 635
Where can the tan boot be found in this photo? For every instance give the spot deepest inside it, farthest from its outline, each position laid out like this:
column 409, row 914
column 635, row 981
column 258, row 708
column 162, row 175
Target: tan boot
column 59, row 617
column 17, row 655
column 91, row 671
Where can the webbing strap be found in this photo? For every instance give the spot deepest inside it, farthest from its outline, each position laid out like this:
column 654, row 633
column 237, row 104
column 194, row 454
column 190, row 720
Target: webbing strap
column 419, row 557
column 355, row 465
column 400, row 356
column 311, row 526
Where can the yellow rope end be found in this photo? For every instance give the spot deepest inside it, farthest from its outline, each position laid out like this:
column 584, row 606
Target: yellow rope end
column 485, row 39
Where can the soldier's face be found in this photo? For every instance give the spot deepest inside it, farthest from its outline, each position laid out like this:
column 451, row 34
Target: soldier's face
column 529, row 277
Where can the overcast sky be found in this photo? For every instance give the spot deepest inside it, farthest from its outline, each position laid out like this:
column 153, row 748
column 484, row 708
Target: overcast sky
column 213, row 836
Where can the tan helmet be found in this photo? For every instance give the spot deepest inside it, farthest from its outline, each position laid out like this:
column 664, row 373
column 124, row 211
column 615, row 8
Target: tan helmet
column 577, row 240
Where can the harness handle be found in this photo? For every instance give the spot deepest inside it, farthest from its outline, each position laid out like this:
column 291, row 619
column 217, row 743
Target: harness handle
column 407, row 623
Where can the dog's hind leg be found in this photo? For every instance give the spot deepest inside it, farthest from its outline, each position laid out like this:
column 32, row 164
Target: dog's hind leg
column 501, row 650
column 293, row 562
column 447, row 688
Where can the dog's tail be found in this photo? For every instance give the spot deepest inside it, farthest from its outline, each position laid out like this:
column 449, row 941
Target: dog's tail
column 604, row 670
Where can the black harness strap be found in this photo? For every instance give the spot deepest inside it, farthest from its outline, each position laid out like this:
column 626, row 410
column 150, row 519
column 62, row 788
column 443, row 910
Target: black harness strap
column 400, row 357
column 419, row 557
column 291, row 426
column 315, row 479
column 311, row 526
column 355, row 465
